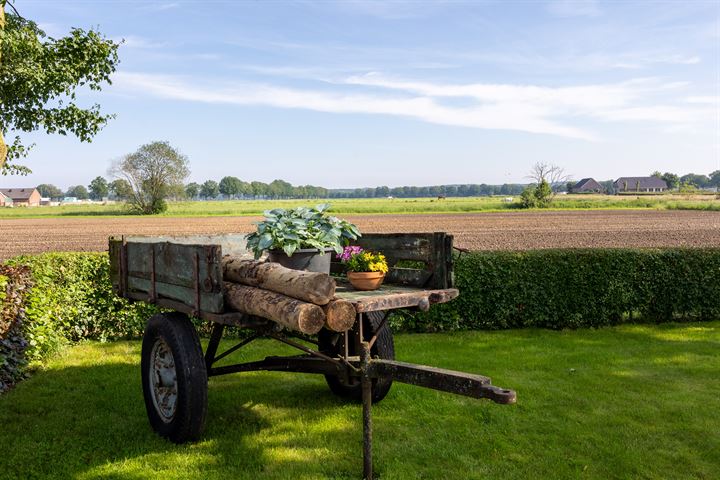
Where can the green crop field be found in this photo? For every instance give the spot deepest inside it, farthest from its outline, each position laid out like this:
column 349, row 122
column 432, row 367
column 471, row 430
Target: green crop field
column 382, row 205
column 636, row 401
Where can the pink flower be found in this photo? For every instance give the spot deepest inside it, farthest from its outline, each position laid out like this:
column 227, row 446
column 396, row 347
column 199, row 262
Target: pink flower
column 348, row 252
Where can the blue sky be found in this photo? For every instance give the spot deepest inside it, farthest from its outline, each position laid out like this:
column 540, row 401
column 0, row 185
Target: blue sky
column 365, row 93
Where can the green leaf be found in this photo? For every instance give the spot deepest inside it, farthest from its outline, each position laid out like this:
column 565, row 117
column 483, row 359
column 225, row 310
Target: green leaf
column 265, row 241
column 289, row 249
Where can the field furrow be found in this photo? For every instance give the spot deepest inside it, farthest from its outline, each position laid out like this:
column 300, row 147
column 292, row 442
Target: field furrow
column 478, row 231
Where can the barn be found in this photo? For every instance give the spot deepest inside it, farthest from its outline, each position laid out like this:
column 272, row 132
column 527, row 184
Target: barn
column 640, row 184
column 5, row 201
column 588, row 185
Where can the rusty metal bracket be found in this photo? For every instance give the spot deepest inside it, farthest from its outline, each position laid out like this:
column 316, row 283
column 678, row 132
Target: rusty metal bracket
column 379, row 329
column 236, row 347
column 461, row 250
column 196, row 283
column 314, row 353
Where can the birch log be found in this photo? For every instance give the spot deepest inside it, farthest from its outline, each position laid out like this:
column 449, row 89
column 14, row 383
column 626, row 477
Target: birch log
column 339, row 315
column 288, row 312
column 313, row 287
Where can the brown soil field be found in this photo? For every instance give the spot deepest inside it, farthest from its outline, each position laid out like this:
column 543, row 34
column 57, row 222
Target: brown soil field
column 478, row 231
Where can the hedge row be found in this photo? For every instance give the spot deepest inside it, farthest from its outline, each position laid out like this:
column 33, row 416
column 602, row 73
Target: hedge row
column 71, row 300
column 14, row 286
column 577, row 288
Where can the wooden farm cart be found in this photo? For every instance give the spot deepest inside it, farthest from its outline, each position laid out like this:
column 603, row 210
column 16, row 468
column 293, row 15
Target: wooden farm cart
column 184, row 274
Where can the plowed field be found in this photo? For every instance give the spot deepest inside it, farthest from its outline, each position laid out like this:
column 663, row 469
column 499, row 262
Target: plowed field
column 481, row 231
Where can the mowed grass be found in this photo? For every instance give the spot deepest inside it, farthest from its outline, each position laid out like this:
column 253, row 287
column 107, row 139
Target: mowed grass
column 382, row 206
column 626, row 402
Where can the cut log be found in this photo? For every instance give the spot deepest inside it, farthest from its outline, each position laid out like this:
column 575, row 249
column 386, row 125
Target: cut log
column 340, row 315
column 313, row 287
column 288, row 312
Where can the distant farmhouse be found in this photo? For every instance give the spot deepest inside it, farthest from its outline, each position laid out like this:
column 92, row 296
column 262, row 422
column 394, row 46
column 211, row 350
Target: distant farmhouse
column 5, row 201
column 640, row 184
column 587, row 185
column 22, row 197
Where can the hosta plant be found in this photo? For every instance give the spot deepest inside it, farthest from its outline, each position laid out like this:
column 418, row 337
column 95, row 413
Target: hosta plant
column 290, row 230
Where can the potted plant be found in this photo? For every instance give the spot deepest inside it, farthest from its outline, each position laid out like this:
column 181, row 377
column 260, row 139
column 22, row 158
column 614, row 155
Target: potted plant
column 298, row 238
column 365, row 269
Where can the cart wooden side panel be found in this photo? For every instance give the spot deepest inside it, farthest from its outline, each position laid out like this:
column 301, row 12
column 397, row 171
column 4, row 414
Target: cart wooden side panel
column 185, row 273
column 429, row 254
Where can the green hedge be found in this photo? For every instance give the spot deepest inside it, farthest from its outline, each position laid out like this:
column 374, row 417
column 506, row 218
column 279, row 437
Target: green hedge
column 14, row 285
column 577, row 288
column 71, row 300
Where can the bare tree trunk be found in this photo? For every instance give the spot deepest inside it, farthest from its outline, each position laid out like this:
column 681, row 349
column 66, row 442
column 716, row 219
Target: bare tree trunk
column 288, row 312
column 313, row 287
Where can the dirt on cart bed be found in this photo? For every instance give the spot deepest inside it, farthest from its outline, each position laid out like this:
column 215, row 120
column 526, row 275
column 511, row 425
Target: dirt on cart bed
column 476, row 231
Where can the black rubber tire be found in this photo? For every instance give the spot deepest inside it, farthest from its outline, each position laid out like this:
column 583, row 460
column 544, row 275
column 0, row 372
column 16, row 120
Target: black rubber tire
column 178, row 333
column 332, row 343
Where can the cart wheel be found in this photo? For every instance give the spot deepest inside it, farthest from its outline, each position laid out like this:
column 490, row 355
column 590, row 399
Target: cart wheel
column 174, row 377
column 333, row 343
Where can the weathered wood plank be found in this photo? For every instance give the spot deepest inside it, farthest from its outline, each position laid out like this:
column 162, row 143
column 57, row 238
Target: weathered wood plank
column 114, row 246
column 230, row 243
column 174, row 264
column 408, row 276
column 400, row 246
column 210, row 302
column 432, row 249
column 389, row 297
column 476, row 386
column 235, row 319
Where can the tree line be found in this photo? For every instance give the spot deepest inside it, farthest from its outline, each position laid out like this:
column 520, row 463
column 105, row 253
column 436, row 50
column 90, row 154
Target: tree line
column 233, row 188
column 467, row 190
column 230, row 187
column 690, row 180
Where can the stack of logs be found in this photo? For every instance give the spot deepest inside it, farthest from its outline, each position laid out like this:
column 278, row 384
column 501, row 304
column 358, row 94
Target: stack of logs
column 298, row 300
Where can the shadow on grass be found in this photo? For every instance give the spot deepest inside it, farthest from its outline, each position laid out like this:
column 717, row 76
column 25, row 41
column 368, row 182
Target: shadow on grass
column 89, row 422
column 622, row 402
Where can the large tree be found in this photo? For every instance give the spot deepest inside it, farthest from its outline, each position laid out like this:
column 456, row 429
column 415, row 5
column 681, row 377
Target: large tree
column 715, row 179
column 39, row 76
column 671, row 179
column 231, row 186
column 99, row 188
column 48, row 190
column 209, row 189
column 120, row 189
column 154, row 172
column 192, row 190
column 78, row 191
column 699, row 181
column 545, row 176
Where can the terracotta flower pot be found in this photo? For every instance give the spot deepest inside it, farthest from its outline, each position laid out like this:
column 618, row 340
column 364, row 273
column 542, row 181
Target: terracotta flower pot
column 366, row 280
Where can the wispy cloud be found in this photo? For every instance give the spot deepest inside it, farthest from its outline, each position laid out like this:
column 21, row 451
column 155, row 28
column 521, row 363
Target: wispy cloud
column 134, row 41
column 524, row 108
column 574, row 8
column 162, row 6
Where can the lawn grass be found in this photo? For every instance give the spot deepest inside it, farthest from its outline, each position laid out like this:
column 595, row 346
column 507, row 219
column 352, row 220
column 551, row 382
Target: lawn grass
column 636, row 401
column 381, row 206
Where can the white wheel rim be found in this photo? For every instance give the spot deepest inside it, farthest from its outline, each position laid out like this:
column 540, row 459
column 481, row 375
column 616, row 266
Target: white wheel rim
column 163, row 380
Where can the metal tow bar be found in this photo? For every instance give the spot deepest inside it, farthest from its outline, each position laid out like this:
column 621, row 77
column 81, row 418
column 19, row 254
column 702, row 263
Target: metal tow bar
column 467, row 384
